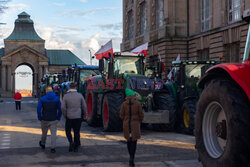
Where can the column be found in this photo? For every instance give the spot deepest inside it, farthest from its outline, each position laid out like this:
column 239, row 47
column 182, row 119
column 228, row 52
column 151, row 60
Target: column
column 40, row 75
column 13, row 83
column 9, row 83
column 35, row 83
column 3, row 77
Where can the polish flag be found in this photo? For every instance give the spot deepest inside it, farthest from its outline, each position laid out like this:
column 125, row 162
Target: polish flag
column 104, row 51
column 141, row 49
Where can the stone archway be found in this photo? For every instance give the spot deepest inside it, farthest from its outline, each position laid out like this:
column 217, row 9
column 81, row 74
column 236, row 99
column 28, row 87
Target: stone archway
column 19, row 73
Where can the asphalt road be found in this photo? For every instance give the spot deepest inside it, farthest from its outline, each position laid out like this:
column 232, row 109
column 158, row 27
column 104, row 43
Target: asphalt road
column 20, row 133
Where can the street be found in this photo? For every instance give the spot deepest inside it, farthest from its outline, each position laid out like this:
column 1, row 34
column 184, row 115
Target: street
column 20, row 135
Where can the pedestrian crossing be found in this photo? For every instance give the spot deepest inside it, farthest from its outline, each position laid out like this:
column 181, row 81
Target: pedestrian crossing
column 5, row 141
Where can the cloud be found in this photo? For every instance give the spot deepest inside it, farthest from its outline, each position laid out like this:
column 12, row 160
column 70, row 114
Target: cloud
column 92, row 43
column 59, row 4
column 117, row 26
column 84, row 0
column 77, row 13
column 18, row 6
column 54, row 41
column 71, row 28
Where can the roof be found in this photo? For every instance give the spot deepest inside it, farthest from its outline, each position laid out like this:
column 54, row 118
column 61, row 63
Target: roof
column 24, row 29
column 86, row 67
column 63, row 57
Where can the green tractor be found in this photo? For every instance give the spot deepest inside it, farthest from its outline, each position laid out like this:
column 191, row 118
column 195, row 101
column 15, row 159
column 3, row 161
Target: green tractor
column 79, row 75
column 184, row 88
column 106, row 92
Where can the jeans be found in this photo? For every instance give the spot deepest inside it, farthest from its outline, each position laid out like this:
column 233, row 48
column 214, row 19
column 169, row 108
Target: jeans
column 18, row 105
column 74, row 124
column 45, row 125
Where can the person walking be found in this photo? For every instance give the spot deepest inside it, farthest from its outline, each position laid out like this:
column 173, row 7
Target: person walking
column 131, row 114
column 74, row 109
column 18, row 98
column 49, row 113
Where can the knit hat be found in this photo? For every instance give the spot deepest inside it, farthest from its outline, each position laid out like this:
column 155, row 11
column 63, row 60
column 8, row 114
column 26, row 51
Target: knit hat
column 129, row 92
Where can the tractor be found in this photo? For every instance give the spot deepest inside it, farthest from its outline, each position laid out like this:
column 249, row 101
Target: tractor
column 223, row 113
column 184, row 88
column 78, row 74
column 106, row 92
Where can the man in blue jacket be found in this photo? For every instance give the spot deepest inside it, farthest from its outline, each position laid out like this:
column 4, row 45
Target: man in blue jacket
column 49, row 113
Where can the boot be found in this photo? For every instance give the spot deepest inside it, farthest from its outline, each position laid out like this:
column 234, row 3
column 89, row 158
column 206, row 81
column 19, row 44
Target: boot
column 71, row 146
column 41, row 145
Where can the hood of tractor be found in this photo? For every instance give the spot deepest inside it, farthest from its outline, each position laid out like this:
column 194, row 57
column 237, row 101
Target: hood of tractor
column 142, row 85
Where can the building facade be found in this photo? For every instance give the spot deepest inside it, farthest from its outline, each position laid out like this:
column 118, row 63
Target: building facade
column 24, row 47
column 194, row 29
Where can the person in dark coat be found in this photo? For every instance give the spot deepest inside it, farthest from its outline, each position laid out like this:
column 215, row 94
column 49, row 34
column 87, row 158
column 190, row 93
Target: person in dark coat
column 18, row 98
column 49, row 113
column 131, row 114
column 74, row 109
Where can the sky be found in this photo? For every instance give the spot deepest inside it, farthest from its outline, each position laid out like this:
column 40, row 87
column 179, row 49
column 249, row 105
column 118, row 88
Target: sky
column 77, row 25
column 23, row 79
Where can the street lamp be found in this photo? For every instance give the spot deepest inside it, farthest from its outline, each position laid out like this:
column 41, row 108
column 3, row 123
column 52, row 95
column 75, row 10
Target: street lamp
column 91, row 57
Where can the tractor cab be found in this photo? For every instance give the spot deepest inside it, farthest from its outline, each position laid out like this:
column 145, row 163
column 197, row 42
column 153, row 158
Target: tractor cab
column 79, row 75
column 123, row 63
column 186, row 75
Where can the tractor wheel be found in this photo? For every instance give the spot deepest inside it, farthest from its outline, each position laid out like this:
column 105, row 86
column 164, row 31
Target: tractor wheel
column 91, row 100
column 222, row 125
column 164, row 101
column 188, row 113
column 112, row 103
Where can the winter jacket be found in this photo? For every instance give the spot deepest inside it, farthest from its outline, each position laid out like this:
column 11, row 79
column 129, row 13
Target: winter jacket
column 49, row 108
column 131, row 122
column 73, row 105
column 17, row 96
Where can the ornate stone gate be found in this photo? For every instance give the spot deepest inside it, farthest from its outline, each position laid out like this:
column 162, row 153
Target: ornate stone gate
column 24, row 46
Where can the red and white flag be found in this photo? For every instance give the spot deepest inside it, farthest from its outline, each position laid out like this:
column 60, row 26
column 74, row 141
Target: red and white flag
column 141, row 49
column 104, row 51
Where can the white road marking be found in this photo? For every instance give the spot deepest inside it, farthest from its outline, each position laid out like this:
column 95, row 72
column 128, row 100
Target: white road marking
column 5, row 140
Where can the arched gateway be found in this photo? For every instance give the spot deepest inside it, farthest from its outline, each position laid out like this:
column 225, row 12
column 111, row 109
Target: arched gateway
column 24, row 46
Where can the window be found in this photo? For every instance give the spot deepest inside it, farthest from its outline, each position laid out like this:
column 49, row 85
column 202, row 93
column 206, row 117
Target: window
column 143, row 18
column 159, row 13
column 234, row 7
column 205, row 15
column 130, row 25
column 233, row 52
column 203, row 54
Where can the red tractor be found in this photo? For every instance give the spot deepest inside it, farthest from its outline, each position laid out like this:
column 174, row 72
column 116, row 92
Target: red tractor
column 223, row 114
